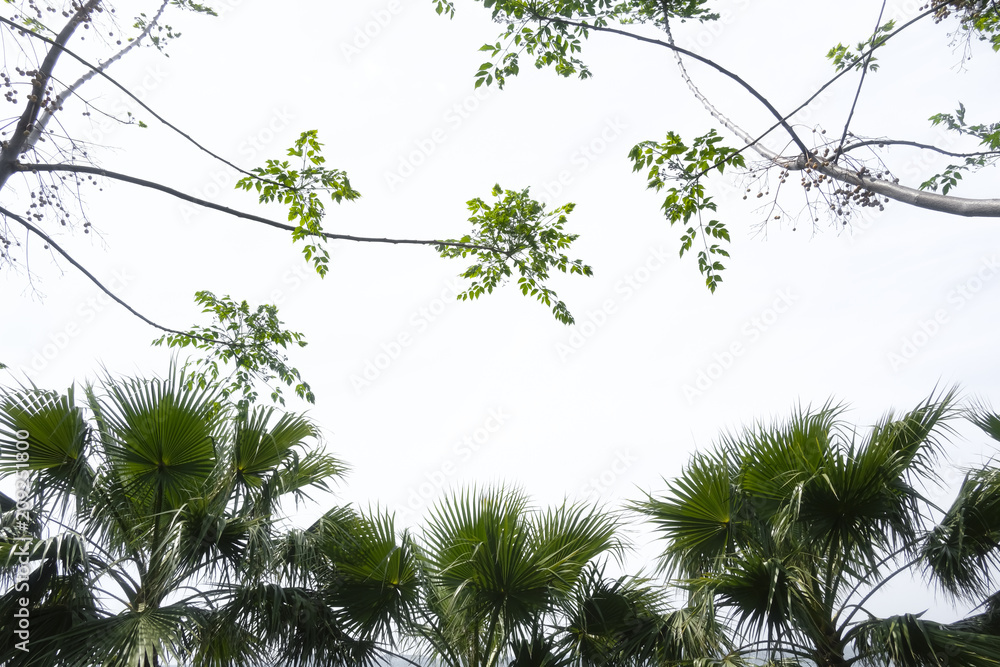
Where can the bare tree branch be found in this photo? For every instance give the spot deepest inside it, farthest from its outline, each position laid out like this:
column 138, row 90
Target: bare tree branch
column 711, row 63
column 908, row 195
column 902, row 142
column 861, row 83
column 85, row 169
column 61, row 97
column 59, row 47
column 17, row 144
column 711, row 108
column 754, row 144
column 90, row 276
column 984, row 208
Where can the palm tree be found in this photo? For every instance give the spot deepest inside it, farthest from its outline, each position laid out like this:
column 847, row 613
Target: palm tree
column 493, row 580
column 791, row 529
column 152, row 507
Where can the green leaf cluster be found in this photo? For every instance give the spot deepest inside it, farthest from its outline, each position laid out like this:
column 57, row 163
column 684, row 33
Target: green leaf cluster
column 989, row 138
column 252, row 341
column 444, row 7
column 843, row 57
column 542, row 30
column 300, row 189
column 673, row 161
column 153, row 510
column 516, row 234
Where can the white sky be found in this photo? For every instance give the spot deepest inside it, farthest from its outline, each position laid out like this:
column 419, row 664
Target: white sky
column 596, row 411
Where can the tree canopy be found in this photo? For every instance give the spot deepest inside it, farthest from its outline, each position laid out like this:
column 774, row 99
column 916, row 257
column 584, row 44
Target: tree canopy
column 792, row 528
column 150, row 526
column 839, row 174
column 514, row 237
column 158, row 524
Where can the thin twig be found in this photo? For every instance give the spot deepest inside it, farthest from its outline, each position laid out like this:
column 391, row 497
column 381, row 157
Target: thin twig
column 84, row 169
column 714, row 65
column 45, row 237
column 857, row 93
column 142, row 104
column 915, row 144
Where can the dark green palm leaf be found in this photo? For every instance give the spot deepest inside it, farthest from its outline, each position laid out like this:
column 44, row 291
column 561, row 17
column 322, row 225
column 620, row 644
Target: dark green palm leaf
column 133, row 638
column 699, row 517
column 983, row 416
column 298, row 625
column 159, row 436
column 56, row 442
column 375, row 580
column 568, row 537
column 962, row 552
column 909, row 641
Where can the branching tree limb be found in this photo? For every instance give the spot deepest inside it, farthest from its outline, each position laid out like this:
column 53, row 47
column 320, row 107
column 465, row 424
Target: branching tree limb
column 513, row 237
column 153, row 185
column 553, row 32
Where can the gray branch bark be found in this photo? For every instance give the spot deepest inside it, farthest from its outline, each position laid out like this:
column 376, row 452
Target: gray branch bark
column 46, row 116
column 985, row 208
column 972, row 208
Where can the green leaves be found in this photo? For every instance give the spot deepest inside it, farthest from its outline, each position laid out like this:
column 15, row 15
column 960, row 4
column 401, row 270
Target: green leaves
column 792, row 526
column 498, row 570
column 700, row 519
column 444, row 7
column 961, row 552
column 178, row 519
column 251, row 340
column 49, row 424
column 989, row 138
column 909, row 641
column 159, row 436
column 843, row 57
column 516, row 233
column 300, row 189
column 980, row 19
column 673, row 161
column 554, row 31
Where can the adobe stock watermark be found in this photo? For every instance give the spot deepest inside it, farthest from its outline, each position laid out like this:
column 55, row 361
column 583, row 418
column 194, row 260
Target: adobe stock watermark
column 21, row 623
column 957, row 299
column 110, row 120
column 86, row 313
column 291, row 280
column 224, row 178
column 425, row 146
column 390, row 350
column 365, row 34
column 420, row 495
column 594, row 319
column 584, row 155
column 599, row 485
column 751, row 332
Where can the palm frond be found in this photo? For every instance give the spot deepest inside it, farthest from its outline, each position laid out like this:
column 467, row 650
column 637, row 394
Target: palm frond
column 297, row 626
column 159, row 436
column 963, row 551
column 983, row 416
column 54, row 443
column 909, row 641
column 698, row 518
column 375, row 578
column 568, row 537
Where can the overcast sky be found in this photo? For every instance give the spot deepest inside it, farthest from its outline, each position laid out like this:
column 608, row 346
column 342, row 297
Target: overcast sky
column 418, row 392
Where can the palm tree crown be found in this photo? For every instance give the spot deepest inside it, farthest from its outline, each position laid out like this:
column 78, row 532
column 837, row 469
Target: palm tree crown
column 790, row 530
column 152, row 505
